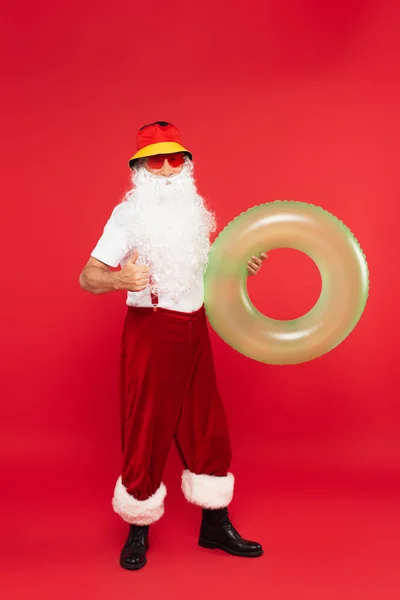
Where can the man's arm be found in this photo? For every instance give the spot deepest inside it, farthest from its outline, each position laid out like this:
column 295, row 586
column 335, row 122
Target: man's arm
column 98, row 278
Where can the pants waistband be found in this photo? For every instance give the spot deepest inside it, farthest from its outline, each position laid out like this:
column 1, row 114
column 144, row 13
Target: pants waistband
column 166, row 311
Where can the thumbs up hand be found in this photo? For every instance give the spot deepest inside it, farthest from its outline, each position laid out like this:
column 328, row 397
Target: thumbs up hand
column 133, row 277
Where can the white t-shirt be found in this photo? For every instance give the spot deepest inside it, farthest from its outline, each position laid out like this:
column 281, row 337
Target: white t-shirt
column 114, row 247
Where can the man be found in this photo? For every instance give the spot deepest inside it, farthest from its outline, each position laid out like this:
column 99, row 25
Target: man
column 160, row 237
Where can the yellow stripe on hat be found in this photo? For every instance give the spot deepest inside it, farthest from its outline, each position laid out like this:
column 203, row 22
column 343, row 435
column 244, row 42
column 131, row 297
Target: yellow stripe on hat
column 159, row 148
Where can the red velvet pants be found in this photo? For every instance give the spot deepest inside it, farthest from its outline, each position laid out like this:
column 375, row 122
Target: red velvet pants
column 169, row 393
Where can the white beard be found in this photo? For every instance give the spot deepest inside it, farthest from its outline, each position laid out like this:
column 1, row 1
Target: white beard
column 169, row 225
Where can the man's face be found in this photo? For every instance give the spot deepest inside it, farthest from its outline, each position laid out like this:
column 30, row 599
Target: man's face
column 165, row 165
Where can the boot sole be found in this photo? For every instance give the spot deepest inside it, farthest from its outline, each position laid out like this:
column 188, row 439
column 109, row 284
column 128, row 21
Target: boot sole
column 216, row 546
column 133, row 567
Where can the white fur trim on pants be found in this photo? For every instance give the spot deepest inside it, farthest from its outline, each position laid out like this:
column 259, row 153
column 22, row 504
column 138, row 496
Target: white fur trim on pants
column 208, row 491
column 138, row 512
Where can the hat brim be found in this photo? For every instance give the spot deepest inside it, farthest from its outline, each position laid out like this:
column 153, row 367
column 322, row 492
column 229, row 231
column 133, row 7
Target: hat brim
column 160, row 148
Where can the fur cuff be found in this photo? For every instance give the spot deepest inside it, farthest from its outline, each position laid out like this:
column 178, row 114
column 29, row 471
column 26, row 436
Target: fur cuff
column 208, row 491
column 138, row 512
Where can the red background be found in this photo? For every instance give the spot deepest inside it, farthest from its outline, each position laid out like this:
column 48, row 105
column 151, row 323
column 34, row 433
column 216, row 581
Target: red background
column 284, row 99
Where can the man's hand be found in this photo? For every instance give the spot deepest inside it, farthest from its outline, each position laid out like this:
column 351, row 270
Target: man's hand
column 133, row 277
column 255, row 263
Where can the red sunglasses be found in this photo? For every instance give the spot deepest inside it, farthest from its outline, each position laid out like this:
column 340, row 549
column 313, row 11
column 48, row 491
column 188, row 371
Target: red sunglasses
column 175, row 160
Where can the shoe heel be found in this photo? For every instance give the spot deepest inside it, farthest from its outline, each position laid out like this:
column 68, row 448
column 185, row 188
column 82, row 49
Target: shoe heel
column 206, row 544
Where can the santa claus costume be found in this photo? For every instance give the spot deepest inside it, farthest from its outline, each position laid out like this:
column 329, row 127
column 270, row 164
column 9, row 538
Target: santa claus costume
column 169, row 391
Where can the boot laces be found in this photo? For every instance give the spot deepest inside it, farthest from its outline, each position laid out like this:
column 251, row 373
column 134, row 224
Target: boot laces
column 137, row 537
column 227, row 522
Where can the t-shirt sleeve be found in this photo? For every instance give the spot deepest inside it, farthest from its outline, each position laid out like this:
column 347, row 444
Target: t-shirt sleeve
column 113, row 246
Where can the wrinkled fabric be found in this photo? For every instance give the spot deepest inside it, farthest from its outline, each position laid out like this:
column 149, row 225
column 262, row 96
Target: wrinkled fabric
column 169, row 393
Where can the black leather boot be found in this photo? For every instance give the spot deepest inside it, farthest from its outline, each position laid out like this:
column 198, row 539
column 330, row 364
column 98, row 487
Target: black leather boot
column 133, row 555
column 218, row 532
